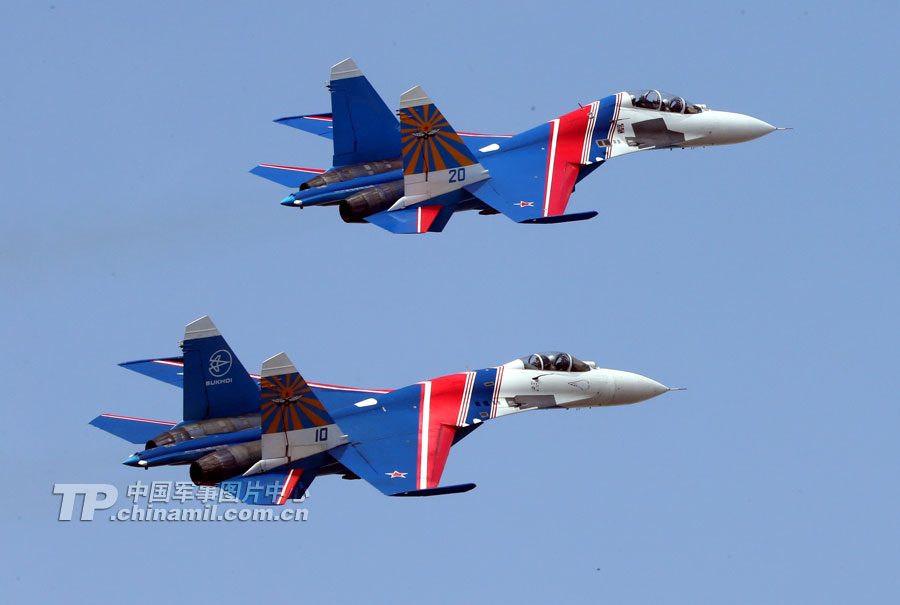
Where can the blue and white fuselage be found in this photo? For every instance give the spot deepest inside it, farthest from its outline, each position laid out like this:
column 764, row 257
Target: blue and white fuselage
column 410, row 175
column 283, row 431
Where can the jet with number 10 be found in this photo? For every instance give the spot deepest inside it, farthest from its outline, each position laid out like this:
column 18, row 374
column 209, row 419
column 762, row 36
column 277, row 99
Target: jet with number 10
column 267, row 437
column 410, row 175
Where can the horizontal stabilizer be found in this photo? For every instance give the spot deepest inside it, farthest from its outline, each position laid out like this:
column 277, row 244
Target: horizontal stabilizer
column 168, row 369
column 421, row 219
column 317, row 123
column 439, row 491
column 289, row 176
column 133, row 430
column 276, row 487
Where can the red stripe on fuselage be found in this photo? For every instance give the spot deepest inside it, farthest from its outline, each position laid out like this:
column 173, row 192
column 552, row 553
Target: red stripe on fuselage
column 612, row 125
column 566, row 159
column 565, row 151
column 495, row 400
column 442, row 410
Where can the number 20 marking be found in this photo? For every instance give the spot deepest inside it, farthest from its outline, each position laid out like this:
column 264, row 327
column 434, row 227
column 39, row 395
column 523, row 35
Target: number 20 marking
column 457, row 175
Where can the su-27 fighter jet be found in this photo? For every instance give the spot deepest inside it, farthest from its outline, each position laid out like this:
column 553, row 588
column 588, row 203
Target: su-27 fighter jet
column 411, row 175
column 269, row 436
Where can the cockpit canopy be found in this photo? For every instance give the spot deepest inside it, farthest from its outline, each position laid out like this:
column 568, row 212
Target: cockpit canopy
column 663, row 101
column 554, row 361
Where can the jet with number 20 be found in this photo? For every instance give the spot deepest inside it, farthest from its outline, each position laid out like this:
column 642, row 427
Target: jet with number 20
column 411, row 175
column 267, row 437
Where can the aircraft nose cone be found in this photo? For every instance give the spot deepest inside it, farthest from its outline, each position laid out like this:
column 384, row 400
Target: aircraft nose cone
column 132, row 460
column 632, row 388
column 737, row 128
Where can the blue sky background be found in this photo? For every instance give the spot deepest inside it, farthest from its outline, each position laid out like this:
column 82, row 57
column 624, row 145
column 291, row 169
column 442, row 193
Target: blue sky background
column 762, row 276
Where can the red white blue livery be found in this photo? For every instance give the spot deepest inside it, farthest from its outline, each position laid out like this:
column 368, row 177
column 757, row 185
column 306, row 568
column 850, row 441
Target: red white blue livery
column 268, row 436
column 410, row 172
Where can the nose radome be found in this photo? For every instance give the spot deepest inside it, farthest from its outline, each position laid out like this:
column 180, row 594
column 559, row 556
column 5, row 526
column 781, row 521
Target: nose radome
column 632, row 388
column 737, row 127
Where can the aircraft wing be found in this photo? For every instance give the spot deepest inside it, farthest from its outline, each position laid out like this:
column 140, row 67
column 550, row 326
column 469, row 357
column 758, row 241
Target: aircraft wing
column 400, row 442
column 534, row 173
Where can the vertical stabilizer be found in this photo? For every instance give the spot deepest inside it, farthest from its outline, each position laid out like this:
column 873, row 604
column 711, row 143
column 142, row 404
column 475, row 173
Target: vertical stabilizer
column 364, row 129
column 435, row 159
column 295, row 424
column 216, row 385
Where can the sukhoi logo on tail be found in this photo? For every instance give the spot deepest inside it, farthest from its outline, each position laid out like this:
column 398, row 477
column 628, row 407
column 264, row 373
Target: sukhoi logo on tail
column 220, row 363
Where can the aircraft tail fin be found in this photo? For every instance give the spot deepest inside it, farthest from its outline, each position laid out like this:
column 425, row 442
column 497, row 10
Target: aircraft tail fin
column 215, row 383
column 295, row 424
column 435, row 159
column 363, row 128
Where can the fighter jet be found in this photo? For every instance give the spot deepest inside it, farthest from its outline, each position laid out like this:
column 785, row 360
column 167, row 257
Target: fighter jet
column 410, row 175
column 265, row 438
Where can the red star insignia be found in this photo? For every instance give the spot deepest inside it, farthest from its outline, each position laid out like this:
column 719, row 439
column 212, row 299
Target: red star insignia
column 396, row 474
column 523, row 204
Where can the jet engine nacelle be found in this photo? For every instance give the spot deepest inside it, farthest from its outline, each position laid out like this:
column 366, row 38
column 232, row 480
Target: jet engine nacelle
column 367, row 202
column 225, row 463
column 354, row 171
column 202, row 428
